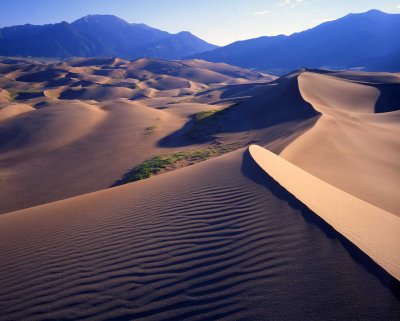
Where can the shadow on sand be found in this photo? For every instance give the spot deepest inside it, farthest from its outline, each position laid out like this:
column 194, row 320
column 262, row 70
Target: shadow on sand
column 251, row 169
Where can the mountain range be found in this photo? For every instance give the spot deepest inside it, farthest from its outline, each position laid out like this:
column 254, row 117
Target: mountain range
column 98, row 35
column 365, row 41
column 368, row 41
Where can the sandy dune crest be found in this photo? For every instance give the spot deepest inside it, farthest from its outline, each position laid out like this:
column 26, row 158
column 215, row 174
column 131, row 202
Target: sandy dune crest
column 373, row 230
column 354, row 145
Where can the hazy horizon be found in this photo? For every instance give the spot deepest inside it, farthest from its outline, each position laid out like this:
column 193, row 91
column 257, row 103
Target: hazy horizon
column 218, row 22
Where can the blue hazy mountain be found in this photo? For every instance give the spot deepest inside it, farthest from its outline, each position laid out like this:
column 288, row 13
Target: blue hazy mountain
column 369, row 40
column 98, row 35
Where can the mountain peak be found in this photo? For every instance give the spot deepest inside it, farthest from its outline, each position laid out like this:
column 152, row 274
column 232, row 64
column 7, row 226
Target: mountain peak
column 375, row 11
column 185, row 34
column 99, row 35
column 370, row 13
column 98, row 18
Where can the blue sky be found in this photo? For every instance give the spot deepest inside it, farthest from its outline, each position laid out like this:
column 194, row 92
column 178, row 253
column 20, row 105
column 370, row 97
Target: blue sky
column 217, row 21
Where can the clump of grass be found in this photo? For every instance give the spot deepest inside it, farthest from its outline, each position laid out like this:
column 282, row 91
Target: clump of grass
column 206, row 123
column 162, row 163
column 180, row 101
column 173, row 102
column 159, row 163
column 150, row 129
column 13, row 94
column 204, row 114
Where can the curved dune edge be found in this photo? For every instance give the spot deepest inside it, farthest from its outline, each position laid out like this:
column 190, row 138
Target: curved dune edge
column 375, row 231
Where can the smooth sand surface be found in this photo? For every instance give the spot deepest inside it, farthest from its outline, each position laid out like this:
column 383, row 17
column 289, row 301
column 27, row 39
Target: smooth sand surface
column 373, row 230
column 353, row 145
column 76, row 148
column 216, row 240
column 12, row 110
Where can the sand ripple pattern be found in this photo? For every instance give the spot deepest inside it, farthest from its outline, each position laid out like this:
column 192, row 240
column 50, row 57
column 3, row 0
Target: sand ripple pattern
column 212, row 241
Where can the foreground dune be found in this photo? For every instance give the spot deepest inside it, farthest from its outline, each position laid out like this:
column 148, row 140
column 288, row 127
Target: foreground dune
column 226, row 242
column 373, row 230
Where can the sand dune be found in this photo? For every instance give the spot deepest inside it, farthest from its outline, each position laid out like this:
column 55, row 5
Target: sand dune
column 360, row 149
column 12, row 110
column 225, row 69
column 28, row 134
column 224, row 243
column 4, row 97
column 222, row 239
column 89, row 113
column 197, row 71
column 85, row 140
column 98, row 93
column 373, row 230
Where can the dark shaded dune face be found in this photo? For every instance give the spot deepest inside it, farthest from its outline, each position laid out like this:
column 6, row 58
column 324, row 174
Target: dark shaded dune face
column 241, row 90
column 64, row 81
column 29, row 95
column 84, row 62
column 41, row 76
column 276, row 103
column 389, row 99
column 82, row 83
column 280, row 102
column 6, row 68
column 167, row 83
column 225, row 243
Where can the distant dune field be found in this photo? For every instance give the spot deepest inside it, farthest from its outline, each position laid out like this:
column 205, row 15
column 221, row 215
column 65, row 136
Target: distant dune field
column 304, row 226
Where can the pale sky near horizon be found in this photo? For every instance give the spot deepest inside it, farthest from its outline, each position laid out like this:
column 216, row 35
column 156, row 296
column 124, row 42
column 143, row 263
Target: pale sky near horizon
column 216, row 21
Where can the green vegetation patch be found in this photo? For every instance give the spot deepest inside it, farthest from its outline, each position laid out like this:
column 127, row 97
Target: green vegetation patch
column 14, row 94
column 206, row 123
column 167, row 162
column 204, row 114
column 150, row 129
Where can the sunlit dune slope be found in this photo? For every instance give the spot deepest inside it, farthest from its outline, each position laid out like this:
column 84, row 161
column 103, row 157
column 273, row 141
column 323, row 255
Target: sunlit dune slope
column 354, row 145
column 91, row 120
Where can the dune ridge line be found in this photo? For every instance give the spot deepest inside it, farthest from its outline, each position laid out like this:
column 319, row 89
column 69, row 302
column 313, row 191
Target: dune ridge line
column 375, row 231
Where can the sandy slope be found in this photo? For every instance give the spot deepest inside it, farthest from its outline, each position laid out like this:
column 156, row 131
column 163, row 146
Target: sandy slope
column 89, row 120
column 216, row 240
column 373, row 230
column 352, row 146
column 226, row 242
column 12, row 110
column 76, row 148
